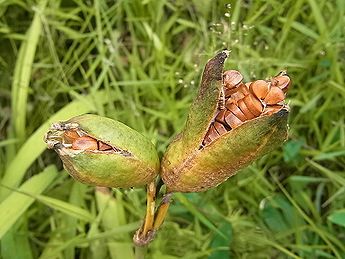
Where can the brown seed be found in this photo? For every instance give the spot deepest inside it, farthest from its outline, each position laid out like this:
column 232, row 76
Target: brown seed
column 237, row 93
column 220, row 128
column 253, row 104
column 242, row 88
column 221, row 116
column 206, row 141
column 84, row 143
column 275, row 95
column 231, row 78
column 228, row 92
column 260, row 88
column 212, row 133
column 249, row 115
column 235, row 97
column 69, row 136
column 283, row 82
column 103, row 147
column 235, row 110
column 270, row 109
column 232, row 120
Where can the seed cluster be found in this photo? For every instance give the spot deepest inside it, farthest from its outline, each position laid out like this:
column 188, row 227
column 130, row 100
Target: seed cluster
column 241, row 102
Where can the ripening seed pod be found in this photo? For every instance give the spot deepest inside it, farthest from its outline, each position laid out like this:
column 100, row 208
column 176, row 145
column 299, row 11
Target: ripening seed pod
column 217, row 140
column 103, row 152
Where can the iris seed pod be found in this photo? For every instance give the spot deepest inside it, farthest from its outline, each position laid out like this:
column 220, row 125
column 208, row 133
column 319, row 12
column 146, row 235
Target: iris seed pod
column 218, row 140
column 103, row 152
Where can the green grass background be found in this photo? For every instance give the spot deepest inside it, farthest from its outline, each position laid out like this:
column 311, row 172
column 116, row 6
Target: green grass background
column 140, row 62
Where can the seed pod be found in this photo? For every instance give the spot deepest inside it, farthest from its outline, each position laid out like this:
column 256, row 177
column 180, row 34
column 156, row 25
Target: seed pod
column 103, row 152
column 215, row 143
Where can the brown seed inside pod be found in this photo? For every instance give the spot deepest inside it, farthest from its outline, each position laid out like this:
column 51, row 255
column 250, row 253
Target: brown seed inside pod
column 260, row 88
column 207, row 140
column 229, row 92
column 235, row 110
column 231, row 78
column 240, row 92
column 212, row 133
column 249, row 115
column 243, row 89
column 69, row 136
column 253, row 104
column 221, row 116
column 85, row 143
column 275, row 95
column 232, row 120
column 270, row 109
column 103, row 147
column 235, row 97
column 220, row 128
column 283, row 82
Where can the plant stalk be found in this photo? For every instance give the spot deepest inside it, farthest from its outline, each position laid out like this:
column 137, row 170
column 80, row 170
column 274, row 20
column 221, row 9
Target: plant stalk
column 140, row 252
column 162, row 211
column 150, row 208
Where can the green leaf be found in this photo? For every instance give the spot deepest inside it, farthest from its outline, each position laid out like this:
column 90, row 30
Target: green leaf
column 273, row 219
column 301, row 28
column 198, row 214
column 330, row 155
column 65, row 207
column 17, row 203
column 221, row 245
column 292, row 149
column 22, row 73
column 338, row 217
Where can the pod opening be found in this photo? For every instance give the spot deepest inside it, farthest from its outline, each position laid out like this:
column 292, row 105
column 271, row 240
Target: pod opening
column 72, row 138
column 241, row 102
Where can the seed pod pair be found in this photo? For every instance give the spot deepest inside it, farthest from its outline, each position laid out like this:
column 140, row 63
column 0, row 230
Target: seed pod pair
column 229, row 125
column 103, row 152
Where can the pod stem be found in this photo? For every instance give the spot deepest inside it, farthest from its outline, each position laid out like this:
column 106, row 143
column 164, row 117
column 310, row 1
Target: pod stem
column 153, row 219
column 145, row 233
column 140, row 252
column 162, row 211
column 150, row 208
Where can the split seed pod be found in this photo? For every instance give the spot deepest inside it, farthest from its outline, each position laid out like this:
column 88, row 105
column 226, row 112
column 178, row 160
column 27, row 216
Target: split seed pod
column 100, row 151
column 230, row 124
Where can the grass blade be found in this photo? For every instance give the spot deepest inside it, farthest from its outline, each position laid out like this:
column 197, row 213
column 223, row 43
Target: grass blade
column 189, row 206
column 65, row 207
column 17, row 203
column 338, row 217
column 23, row 69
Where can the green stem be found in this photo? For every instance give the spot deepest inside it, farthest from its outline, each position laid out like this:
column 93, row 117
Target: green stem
column 162, row 211
column 150, row 208
column 140, row 252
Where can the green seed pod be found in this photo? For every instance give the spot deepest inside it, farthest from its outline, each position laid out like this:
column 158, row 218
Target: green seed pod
column 228, row 127
column 100, row 151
